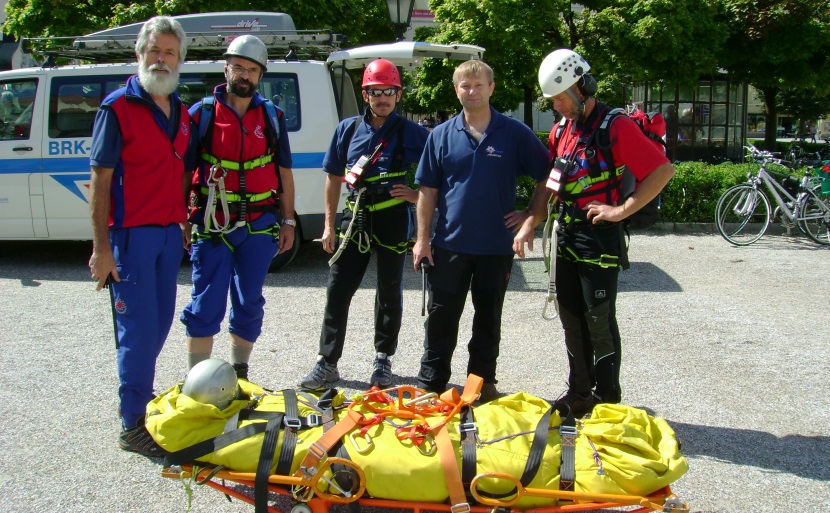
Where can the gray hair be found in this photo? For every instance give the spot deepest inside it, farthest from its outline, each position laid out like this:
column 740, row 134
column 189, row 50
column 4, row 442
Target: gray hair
column 161, row 25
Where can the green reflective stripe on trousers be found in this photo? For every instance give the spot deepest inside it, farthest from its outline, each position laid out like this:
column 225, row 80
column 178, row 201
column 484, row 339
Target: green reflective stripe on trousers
column 252, row 198
column 603, row 261
column 234, row 166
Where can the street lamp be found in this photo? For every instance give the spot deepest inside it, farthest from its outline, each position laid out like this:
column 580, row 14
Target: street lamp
column 400, row 14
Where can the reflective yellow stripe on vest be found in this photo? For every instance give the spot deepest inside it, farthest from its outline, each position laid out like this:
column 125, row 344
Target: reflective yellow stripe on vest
column 252, row 198
column 234, row 166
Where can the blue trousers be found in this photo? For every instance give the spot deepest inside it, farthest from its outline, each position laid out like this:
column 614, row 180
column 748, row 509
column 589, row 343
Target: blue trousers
column 144, row 305
column 237, row 265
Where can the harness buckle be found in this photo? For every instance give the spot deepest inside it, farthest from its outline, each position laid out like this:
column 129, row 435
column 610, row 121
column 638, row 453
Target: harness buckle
column 467, row 427
column 313, row 420
column 292, row 423
column 583, row 181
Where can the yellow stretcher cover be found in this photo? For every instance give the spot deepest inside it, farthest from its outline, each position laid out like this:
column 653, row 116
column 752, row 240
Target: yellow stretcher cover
column 619, row 449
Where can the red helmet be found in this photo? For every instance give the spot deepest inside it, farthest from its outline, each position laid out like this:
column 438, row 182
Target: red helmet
column 381, row 72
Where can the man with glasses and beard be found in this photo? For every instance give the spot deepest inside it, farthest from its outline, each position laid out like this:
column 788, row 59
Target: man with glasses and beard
column 243, row 187
column 143, row 152
column 374, row 152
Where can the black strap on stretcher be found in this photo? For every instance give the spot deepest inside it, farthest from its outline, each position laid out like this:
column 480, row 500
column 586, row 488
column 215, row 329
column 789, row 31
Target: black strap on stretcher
column 567, row 468
column 468, row 430
column 290, row 422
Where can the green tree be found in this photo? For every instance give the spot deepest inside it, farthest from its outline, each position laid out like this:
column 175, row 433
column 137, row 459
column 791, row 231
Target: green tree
column 804, row 104
column 624, row 40
column 776, row 45
column 363, row 21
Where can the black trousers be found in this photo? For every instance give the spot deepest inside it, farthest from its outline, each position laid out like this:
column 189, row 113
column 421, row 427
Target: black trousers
column 587, row 295
column 390, row 227
column 454, row 274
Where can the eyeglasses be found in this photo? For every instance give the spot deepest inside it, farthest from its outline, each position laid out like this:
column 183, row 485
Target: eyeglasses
column 392, row 91
column 236, row 69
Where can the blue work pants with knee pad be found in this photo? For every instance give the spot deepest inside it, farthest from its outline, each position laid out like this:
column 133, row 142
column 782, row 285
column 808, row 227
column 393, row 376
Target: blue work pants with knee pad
column 587, row 296
column 235, row 263
column 148, row 259
column 454, row 274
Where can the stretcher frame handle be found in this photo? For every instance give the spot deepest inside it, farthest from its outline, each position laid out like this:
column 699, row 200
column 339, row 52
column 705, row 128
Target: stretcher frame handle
column 668, row 504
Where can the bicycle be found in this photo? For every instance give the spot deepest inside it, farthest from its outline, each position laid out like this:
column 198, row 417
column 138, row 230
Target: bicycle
column 743, row 212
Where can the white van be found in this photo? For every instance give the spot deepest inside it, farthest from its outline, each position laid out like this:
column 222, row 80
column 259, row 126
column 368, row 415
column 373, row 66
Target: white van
column 46, row 113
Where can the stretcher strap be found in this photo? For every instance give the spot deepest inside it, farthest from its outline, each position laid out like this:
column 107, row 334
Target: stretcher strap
column 292, row 424
column 319, row 449
column 194, row 452
column 567, row 470
column 467, row 430
column 446, row 453
column 263, row 469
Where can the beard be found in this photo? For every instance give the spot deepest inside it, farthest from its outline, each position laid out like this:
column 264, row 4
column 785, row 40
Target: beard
column 241, row 87
column 158, row 84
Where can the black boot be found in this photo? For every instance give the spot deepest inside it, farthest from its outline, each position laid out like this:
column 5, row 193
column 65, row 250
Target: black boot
column 241, row 370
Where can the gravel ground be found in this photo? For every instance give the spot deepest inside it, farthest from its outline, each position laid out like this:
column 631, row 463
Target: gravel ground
column 729, row 344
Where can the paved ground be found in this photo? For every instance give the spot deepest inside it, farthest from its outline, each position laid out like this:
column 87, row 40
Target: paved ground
column 730, row 345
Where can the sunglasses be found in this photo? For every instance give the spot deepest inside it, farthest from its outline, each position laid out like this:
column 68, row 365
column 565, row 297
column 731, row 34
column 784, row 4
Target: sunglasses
column 382, row 92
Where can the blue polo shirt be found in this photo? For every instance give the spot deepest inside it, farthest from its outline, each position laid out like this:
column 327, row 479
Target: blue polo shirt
column 341, row 155
column 477, row 181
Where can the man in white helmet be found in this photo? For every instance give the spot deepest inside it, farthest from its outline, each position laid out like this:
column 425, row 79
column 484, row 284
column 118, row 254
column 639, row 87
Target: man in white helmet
column 243, row 187
column 590, row 249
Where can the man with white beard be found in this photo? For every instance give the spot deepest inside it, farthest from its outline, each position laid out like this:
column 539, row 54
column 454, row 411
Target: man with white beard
column 143, row 153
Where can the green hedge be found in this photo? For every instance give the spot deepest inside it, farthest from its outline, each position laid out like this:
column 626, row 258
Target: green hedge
column 691, row 196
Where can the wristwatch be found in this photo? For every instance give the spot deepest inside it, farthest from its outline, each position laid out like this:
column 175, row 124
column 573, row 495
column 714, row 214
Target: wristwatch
column 289, row 222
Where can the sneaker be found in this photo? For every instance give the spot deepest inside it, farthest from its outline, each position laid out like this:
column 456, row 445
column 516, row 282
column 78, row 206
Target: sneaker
column 488, row 393
column 241, row 370
column 382, row 375
column 321, row 376
column 138, row 439
column 579, row 404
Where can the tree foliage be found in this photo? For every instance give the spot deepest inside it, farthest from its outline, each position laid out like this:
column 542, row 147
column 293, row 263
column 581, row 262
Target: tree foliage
column 776, row 45
column 363, row 21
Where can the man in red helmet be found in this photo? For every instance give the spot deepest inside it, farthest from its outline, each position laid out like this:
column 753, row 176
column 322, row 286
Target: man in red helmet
column 374, row 152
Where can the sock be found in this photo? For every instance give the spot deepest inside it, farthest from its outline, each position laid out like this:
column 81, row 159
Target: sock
column 194, row 358
column 240, row 354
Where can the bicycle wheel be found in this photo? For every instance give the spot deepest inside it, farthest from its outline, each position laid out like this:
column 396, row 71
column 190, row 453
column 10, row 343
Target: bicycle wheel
column 742, row 214
column 813, row 217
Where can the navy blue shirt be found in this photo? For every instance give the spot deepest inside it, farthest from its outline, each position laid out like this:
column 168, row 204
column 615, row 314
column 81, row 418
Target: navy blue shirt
column 365, row 139
column 477, row 180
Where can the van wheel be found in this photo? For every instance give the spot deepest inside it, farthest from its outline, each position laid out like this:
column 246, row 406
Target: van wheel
column 281, row 260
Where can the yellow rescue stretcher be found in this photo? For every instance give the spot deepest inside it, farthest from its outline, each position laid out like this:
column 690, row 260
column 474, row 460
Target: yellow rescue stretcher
column 404, row 448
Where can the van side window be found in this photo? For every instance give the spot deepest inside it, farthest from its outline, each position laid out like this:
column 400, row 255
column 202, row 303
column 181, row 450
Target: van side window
column 74, row 101
column 281, row 88
column 17, row 100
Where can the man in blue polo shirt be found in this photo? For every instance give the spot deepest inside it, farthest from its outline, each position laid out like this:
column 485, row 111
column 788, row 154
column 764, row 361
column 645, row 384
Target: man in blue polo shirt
column 469, row 171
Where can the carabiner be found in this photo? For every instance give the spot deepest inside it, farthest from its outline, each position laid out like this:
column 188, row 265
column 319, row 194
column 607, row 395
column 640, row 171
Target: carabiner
column 217, row 173
column 366, row 437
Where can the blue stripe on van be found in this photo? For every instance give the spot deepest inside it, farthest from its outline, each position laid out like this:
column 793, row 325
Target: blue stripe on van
column 68, row 165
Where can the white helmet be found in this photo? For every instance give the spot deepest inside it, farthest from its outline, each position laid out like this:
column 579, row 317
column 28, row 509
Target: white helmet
column 212, row 381
column 249, row 47
column 560, row 70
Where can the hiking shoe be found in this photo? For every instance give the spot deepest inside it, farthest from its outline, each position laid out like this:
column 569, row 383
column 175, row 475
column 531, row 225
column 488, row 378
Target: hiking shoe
column 610, row 397
column 488, row 393
column 321, row 376
column 578, row 403
column 241, row 370
column 138, row 439
column 382, row 375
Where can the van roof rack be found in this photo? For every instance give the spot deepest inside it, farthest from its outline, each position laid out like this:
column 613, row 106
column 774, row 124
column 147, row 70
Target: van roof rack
column 208, row 36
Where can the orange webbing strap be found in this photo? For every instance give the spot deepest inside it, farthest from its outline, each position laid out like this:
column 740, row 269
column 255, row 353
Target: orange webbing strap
column 318, row 450
column 452, row 474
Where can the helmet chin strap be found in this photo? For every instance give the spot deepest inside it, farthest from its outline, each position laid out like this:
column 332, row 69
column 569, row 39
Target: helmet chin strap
column 580, row 103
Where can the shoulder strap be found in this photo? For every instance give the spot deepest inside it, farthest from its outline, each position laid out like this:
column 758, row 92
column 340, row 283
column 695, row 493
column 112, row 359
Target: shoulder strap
column 273, row 131
column 560, row 128
column 206, row 121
